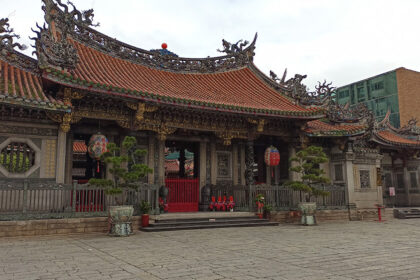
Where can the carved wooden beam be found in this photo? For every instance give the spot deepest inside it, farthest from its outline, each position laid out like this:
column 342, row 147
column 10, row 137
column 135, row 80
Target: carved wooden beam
column 259, row 122
column 141, row 108
column 227, row 136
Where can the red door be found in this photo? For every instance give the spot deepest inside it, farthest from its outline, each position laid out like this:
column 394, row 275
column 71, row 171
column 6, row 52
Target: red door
column 183, row 195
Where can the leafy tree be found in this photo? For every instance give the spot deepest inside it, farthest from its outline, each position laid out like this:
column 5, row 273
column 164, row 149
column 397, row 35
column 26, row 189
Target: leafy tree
column 125, row 167
column 311, row 174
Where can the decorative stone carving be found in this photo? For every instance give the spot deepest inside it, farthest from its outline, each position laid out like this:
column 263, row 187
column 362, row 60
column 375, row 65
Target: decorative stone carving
column 249, row 162
column 322, row 95
column 7, row 36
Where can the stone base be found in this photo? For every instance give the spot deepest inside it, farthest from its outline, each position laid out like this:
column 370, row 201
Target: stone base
column 58, row 226
column 322, row 216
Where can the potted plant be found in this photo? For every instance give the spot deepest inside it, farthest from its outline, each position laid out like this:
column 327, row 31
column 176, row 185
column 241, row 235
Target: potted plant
column 126, row 171
column 145, row 210
column 267, row 208
column 259, row 201
column 310, row 175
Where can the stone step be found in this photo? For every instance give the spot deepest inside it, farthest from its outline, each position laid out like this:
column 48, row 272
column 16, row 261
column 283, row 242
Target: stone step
column 206, row 219
column 169, row 223
column 208, row 225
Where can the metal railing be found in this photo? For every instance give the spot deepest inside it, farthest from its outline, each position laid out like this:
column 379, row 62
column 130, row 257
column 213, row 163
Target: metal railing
column 279, row 197
column 22, row 200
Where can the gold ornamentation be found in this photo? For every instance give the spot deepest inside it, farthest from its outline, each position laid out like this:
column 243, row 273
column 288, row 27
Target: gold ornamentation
column 69, row 95
column 56, row 117
column 50, row 158
column 65, row 124
column 227, row 136
column 141, row 108
column 260, row 124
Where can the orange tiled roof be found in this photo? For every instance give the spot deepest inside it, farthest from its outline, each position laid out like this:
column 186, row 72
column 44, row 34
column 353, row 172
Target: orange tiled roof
column 325, row 128
column 79, row 147
column 396, row 139
column 22, row 87
column 235, row 90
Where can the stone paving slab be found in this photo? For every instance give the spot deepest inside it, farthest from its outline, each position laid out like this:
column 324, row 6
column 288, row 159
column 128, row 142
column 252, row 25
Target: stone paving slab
column 339, row 251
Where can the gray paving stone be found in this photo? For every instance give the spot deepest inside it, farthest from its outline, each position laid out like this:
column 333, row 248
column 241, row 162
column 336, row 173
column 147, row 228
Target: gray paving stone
column 342, row 251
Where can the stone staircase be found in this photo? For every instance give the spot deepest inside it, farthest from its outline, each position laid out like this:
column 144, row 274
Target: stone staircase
column 200, row 221
column 407, row 213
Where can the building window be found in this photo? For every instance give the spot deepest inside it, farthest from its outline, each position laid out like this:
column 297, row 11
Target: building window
column 338, row 172
column 17, row 157
column 224, row 165
column 413, row 180
column 364, row 179
column 400, row 180
column 378, row 86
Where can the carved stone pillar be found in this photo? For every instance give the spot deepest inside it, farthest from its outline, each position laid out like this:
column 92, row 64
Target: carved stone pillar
column 406, row 178
column 203, row 160
column 61, row 156
column 249, row 161
column 161, row 163
column 213, row 164
column 293, row 176
column 69, row 159
column 235, row 163
column 151, row 159
column 243, row 165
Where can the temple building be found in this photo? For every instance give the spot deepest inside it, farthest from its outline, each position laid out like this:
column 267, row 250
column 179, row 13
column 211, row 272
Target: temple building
column 203, row 121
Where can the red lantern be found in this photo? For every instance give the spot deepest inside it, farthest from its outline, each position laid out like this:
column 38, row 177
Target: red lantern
column 97, row 146
column 272, row 156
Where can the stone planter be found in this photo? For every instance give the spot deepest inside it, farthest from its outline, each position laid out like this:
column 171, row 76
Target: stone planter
column 120, row 220
column 308, row 210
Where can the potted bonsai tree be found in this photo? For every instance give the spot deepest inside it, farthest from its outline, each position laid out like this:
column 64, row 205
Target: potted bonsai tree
column 310, row 175
column 126, row 171
column 145, row 210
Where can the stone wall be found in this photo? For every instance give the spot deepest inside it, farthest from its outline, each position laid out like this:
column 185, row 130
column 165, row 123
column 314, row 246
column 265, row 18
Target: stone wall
column 322, row 216
column 58, row 226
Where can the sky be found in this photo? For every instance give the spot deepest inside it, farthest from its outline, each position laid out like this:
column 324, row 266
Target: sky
column 339, row 41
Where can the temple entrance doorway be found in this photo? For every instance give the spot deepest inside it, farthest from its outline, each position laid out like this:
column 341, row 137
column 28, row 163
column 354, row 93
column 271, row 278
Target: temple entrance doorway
column 181, row 175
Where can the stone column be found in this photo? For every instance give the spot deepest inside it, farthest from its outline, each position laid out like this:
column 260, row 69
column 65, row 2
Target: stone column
column 249, row 174
column 293, row 176
column 213, row 164
column 243, row 165
column 151, row 159
column 350, row 183
column 235, row 163
column 202, row 169
column 61, row 156
column 69, row 159
column 407, row 184
column 161, row 163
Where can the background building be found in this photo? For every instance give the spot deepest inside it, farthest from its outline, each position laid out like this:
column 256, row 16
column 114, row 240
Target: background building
column 397, row 90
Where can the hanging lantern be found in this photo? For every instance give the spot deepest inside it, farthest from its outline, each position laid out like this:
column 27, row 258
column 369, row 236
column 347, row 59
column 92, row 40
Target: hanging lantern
column 97, row 146
column 272, row 156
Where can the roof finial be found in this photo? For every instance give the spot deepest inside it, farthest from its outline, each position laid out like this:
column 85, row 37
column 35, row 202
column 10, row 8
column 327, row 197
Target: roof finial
column 164, row 46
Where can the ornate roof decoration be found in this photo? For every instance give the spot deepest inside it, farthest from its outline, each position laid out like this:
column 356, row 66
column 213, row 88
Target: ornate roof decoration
column 407, row 136
column 411, row 128
column 77, row 25
column 7, row 36
column 345, row 114
column 325, row 128
column 54, row 49
column 52, row 52
column 322, row 95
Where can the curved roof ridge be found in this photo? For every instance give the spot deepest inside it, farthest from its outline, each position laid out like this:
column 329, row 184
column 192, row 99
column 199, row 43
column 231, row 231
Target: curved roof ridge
column 64, row 24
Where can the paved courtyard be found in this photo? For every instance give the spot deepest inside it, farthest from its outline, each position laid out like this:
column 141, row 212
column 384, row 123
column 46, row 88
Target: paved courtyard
column 340, row 251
